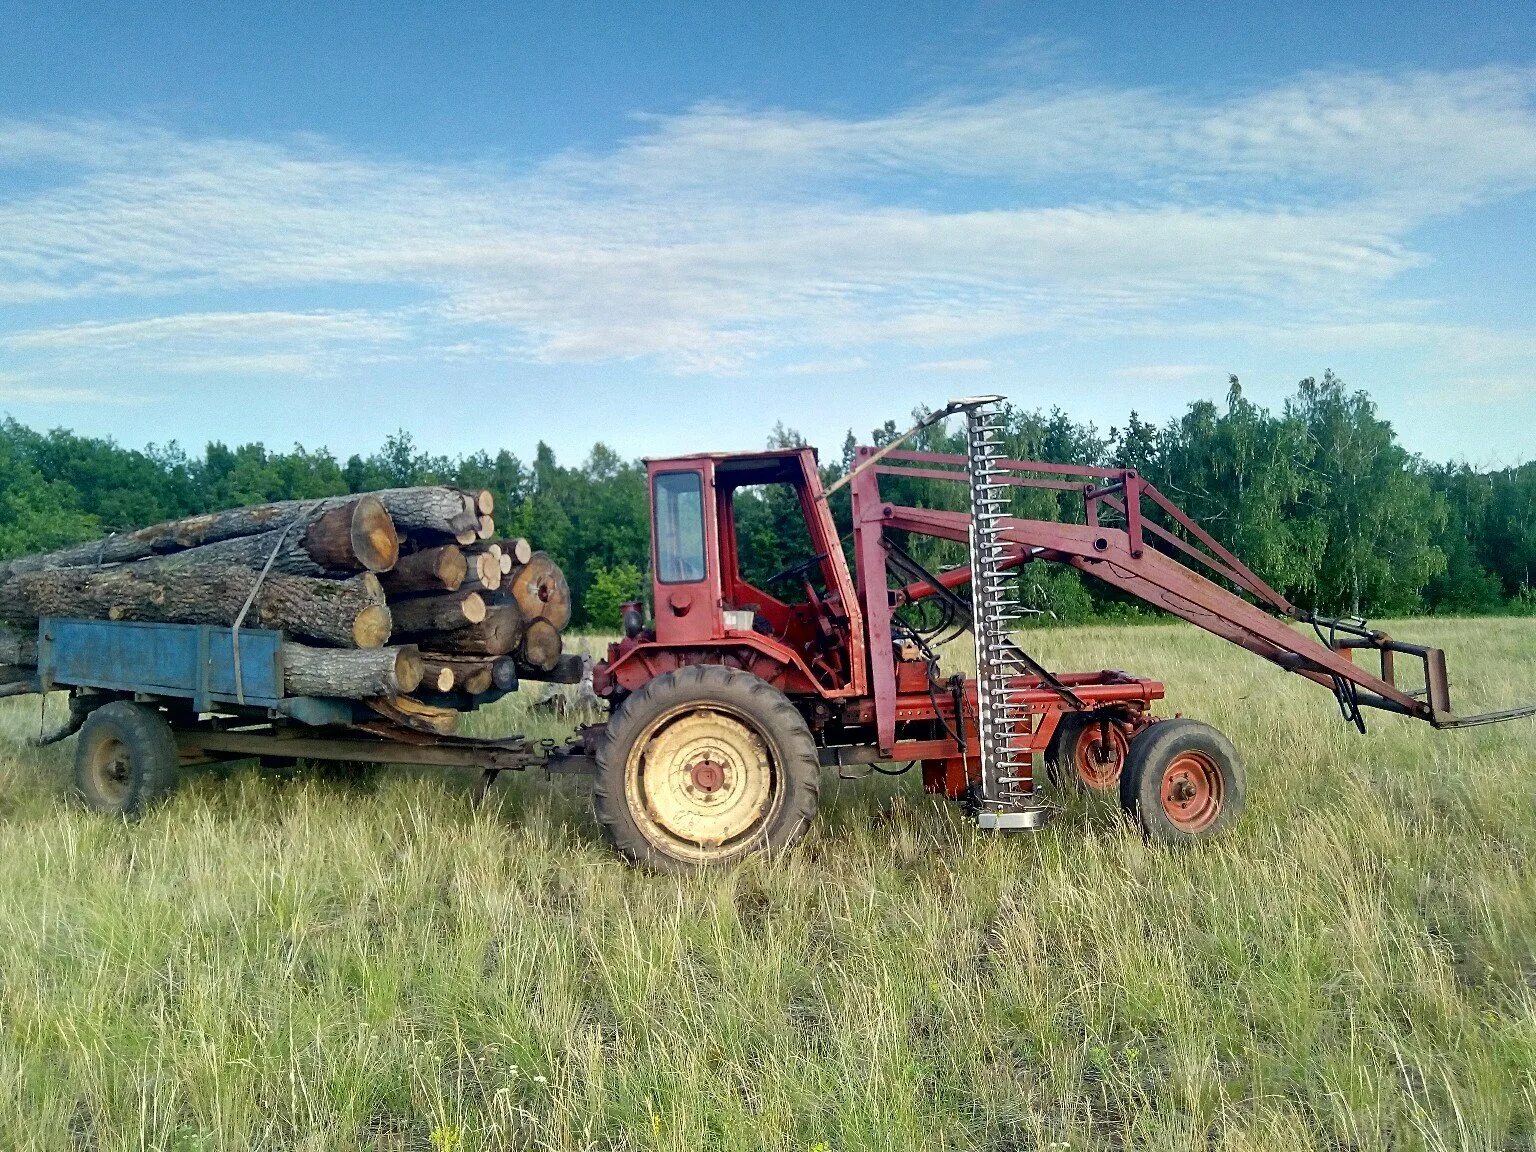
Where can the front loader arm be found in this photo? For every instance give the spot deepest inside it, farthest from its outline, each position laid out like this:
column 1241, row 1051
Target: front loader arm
column 1122, row 557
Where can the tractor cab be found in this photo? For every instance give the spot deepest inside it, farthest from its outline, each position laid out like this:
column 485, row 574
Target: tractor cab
column 744, row 544
column 745, row 554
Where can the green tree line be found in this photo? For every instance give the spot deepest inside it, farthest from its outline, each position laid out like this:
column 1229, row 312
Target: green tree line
column 1318, row 498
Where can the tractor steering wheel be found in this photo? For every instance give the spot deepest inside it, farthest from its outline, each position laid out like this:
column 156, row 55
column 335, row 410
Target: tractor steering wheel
column 797, row 568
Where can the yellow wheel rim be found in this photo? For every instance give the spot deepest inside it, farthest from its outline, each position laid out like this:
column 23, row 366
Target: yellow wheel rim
column 110, row 768
column 700, row 783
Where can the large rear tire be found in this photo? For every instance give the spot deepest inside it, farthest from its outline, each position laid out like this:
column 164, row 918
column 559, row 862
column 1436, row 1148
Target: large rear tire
column 125, row 760
column 1183, row 782
column 705, row 766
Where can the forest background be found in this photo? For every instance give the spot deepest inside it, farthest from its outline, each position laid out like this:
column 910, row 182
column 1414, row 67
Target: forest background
column 1319, row 498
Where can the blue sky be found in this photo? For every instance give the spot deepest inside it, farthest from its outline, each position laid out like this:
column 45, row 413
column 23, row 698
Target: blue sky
column 671, row 226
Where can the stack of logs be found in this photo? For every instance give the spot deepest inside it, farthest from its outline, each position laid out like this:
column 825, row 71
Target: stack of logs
column 404, row 598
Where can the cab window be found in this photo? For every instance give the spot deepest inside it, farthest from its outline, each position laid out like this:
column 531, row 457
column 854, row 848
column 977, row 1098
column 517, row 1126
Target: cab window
column 679, row 499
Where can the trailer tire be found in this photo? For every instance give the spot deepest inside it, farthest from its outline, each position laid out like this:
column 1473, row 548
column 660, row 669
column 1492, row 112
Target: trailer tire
column 1074, row 756
column 1183, row 782
column 125, row 760
column 663, row 800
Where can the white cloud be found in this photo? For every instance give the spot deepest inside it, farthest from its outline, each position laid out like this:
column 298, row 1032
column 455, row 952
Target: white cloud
column 721, row 236
column 14, row 391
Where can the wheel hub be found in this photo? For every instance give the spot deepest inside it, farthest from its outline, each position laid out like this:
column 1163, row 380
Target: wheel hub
column 1101, row 756
column 1192, row 791
column 707, row 776
column 703, row 777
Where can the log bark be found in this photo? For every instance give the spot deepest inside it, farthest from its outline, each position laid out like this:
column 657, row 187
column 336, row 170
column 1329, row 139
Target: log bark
column 345, row 613
column 438, row 613
column 497, row 635
column 355, row 674
column 540, row 591
column 541, row 645
column 440, row 569
column 350, row 533
column 432, row 509
column 18, row 647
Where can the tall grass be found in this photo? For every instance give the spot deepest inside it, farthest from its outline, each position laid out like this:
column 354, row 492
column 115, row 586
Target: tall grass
column 321, row 963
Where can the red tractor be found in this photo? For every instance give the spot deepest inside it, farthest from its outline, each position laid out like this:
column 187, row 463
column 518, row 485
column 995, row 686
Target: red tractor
column 728, row 705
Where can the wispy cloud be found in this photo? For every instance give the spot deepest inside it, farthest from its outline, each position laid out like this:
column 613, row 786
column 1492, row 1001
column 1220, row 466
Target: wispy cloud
column 1165, row 373
column 966, row 364
column 715, row 238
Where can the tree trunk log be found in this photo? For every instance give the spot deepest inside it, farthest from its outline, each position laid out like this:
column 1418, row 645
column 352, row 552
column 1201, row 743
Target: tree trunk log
column 440, row 676
column 484, row 573
column 438, row 613
column 345, row 613
column 540, row 591
column 348, row 533
column 360, row 536
column 518, row 549
column 475, row 674
column 571, row 668
column 504, row 673
column 18, row 647
column 355, row 674
column 440, row 569
column 497, row 635
column 541, row 645
column 414, row 714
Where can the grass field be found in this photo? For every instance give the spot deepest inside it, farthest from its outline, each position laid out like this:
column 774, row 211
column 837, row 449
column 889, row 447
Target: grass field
column 319, row 964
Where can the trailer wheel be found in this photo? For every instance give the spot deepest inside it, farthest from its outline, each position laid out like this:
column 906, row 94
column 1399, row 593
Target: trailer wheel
column 1183, row 781
column 705, row 766
column 125, row 760
column 1079, row 756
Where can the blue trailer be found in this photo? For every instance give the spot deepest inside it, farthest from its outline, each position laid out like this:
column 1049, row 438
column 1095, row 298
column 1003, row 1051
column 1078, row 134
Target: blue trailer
column 148, row 698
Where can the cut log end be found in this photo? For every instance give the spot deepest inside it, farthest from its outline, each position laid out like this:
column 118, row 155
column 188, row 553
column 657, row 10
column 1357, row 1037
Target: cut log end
column 520, row 550
column 541, row 645
column 409, row 668
column 374, row 539
column 372, row 626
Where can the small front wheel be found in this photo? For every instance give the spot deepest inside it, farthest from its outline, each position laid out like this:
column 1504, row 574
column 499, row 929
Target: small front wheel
column 125, row 759
column 1182, row 782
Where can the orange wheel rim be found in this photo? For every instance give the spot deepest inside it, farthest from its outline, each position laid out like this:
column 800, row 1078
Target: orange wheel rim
column 1192, row 792
column 1098, row 761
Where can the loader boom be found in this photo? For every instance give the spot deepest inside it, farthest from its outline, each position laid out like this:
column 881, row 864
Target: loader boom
column 1115, row 545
